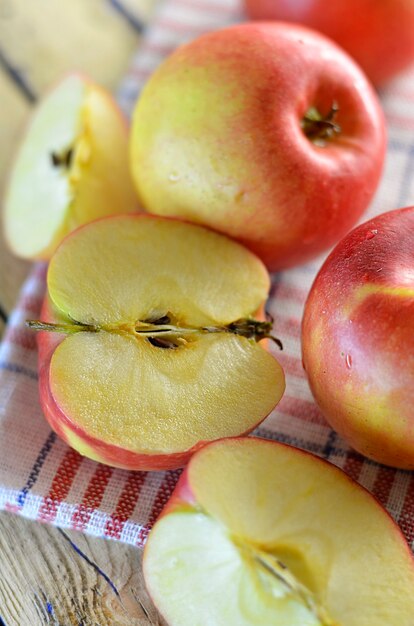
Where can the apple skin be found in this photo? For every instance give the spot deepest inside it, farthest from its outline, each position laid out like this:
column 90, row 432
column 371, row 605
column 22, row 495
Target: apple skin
column 358, row 338
column 378, row 34
column 76, row 437
column 217, row 140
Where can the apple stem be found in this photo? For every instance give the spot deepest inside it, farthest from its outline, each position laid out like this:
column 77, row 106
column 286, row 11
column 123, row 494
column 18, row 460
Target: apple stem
column 164, row 335
column 68, row 329
column 318, row 127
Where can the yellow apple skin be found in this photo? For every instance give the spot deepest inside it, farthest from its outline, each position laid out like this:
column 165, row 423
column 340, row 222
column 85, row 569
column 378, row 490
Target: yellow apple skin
column 217, row 139
column 98, row 180
column 358, row 338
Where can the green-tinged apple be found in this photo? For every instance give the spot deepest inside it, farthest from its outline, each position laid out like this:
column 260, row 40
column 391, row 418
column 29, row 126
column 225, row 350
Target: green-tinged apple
column 161, row 351
column 72, row 168
column 358, row 338
column 377, row 33
column 266, row 132
column 258, row 533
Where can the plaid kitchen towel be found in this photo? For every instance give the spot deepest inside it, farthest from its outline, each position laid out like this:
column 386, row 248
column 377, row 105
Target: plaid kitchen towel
column 43, row 479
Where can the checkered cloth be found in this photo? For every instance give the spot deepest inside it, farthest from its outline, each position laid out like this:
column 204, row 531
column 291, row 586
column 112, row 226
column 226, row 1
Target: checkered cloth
column 43, row 479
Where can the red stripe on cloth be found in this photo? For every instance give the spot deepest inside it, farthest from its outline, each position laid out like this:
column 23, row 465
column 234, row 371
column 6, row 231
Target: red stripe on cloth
column 292, row 365
column 92, row 497
column 60, row 486
column 289, row 292
column 169, row 24
column 302, row 409
column 406, row 519
column 21, row 337
column 40, row 271
column 163, row 495
column 407, row 123
column 160, row 48
column 287, row 326
column 353, row 465
column 383, row 484
column 125, row 505
column 141, row 73
column 31, row 303
column 206, row 6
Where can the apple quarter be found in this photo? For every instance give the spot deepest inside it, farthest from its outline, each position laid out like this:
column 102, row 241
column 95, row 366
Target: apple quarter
column 71, row 168
column 258, row 533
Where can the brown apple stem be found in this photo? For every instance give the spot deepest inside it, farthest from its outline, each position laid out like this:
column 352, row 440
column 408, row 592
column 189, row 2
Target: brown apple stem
column 68, row 329
column 319, row 127
column 164, row 335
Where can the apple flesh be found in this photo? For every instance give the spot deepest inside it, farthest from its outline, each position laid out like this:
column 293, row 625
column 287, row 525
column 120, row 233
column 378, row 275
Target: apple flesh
column 266, row 132
column 377, row 33
column 161, row 353
column 358, row 338
column 72, row 168
column 258, row 533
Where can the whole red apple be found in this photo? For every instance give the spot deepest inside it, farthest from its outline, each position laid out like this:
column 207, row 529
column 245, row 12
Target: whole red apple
column 268, row 133
column 358, row 338
column 379, row 34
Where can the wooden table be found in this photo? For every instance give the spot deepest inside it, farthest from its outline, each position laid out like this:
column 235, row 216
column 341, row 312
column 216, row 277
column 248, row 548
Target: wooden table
column 47, row 575
column 61, row 578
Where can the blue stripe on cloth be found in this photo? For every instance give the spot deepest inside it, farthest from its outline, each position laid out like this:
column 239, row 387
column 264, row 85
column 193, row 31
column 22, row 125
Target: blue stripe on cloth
column 18, row 78
column 37, row 466
column 329, row 445
column 132, row 20
column 18, row 369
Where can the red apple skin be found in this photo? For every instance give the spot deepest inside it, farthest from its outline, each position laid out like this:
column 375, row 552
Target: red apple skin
column 65, row 428
column 358, row 338
column 257, row 177
column 378, row 34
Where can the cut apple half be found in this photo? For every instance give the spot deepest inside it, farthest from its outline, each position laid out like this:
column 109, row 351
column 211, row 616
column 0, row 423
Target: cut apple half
column 258, row 533
column 161, row 353
column 72, row 168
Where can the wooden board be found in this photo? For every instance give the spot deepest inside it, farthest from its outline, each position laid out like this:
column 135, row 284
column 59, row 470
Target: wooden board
column 54, row 577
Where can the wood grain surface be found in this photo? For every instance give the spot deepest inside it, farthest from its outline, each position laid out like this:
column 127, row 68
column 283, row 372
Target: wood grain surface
column 54, row 577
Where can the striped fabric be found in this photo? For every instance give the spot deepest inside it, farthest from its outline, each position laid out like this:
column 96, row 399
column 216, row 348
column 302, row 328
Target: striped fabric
column 41, row 478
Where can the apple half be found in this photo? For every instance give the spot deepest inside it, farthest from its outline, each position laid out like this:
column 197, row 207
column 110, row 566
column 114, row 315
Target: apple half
column 72, row 168
column 258, row 533
column 155, row 349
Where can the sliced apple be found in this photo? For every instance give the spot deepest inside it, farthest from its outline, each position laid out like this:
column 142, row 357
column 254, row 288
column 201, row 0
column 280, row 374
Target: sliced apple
column 162, row 353
column 258, row 533
column 71, row 168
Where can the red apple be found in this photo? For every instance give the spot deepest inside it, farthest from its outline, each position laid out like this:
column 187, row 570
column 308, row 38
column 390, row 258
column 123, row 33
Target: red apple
column 358, row 338
column 379, row 34
column 266, row 132
column 258, row 533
